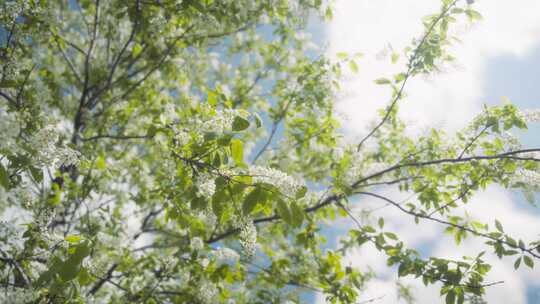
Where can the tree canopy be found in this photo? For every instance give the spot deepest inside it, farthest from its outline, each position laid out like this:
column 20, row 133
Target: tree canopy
column 188, row 151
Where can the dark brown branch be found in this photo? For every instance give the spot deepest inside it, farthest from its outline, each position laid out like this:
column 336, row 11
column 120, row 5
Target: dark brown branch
column 8, row 98
column 446, row 223
column 336, row 197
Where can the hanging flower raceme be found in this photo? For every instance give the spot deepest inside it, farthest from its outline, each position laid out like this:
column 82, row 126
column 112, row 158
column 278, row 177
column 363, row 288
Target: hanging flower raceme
column 247, row 236
column 286, row 184
column 528, row 177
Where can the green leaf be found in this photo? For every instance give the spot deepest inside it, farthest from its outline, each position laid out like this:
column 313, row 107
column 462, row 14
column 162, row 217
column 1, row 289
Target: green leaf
column 82, row 250
column 301, row 192
column 528, row 261
column 297, row 214
column 517, row 263
column 400, row 77
column 36, row 173
column 251, row 200
column 84, row 277
column 382, row 81
column 45, row 277
column 6, row 83
column 4, row 177
column 450, row 297
column 258, row 120
column 237, row 151
column 240, row 124
column 100, row 163
column 283, row 211
column 402, row 270
column 395, row 57
column 73, row 238
column 342, row 55
column 137, row 48
column 381, row 222
column 225, row 140
column 391, row 236
column 353, row 66
column 69, row 270
column 499, row 226
column 212, row 98
column 218, row 202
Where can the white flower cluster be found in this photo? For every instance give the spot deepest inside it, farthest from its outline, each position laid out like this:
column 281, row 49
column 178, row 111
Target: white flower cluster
column 208, row 216
column 197, row 243
column 108, row 240
column 531, row 116
column 20, row 195
column 359, row 170
column 219, row 123
column 225, row 255
column 18, row 295
column 248, row 236
column 141, row 280
column 182, row 138
column 44, row 141
column 528, row 177
column 206, row 185
column 97, row 265
column 12, row 9
column 212, row 121
column 207, row 292
column 286, row 184
column 10, row 237
column 9, row 128
column 44, row 217
column 511, row 141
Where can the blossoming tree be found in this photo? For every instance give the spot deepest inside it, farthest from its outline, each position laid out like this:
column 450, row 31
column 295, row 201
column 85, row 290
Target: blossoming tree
column 186, row 151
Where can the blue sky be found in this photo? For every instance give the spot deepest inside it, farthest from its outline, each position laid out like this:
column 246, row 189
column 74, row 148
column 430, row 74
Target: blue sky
column 498, row 57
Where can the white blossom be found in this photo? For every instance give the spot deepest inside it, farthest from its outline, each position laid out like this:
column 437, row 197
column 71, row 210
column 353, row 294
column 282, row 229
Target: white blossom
column 45, row 143
column 18, row 295
column 511, row 141
column 182, row 138
column 286, row 184
column 9, row 128
column 208, row 217
column 248, row 236
column 531, row 116
column 204, row 262
column 197, row 243
column 206, row 185
column 207, row 292
column 527, row 177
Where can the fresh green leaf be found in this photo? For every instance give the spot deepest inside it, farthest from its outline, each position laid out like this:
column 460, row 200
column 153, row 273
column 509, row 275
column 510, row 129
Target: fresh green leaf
column 237, row 151
column 240, row 124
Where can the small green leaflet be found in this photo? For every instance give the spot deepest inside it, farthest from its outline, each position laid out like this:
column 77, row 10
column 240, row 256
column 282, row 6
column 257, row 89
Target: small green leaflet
column 240, row 124
column 284, row 211
column 297, row 214
column 237, row 151
column 251, row 200
column 301, row 192
column 258, row 120
column 4, row 177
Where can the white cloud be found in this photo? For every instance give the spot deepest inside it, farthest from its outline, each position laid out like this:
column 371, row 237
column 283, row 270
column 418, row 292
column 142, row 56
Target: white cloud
column 448, row 100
